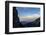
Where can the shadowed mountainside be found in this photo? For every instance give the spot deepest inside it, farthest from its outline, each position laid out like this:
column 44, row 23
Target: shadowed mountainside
column 35, row 23
column 16, row 22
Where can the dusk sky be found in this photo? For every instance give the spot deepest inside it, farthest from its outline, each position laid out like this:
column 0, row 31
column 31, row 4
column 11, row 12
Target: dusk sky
column 28, row 13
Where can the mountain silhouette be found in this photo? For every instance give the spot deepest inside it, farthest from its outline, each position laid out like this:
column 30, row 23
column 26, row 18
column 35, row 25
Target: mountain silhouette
column 16, row 22
column 35, row 23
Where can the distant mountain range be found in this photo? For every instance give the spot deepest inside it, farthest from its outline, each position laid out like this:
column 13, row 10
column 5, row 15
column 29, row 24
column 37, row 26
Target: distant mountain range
column 35, row 23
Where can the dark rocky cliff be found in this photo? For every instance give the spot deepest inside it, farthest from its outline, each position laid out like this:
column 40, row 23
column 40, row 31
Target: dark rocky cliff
column 16, row 22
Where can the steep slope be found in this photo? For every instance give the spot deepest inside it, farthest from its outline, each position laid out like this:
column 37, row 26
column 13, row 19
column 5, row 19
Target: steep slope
column 35, row 23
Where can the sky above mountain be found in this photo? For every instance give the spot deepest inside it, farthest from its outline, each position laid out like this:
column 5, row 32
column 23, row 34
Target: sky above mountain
column 28, row 13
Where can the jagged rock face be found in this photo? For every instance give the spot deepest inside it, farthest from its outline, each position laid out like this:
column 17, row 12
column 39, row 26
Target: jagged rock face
column 16, row 22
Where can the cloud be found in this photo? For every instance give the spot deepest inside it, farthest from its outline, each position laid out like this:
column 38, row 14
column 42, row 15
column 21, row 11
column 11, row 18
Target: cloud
column 36, row 15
